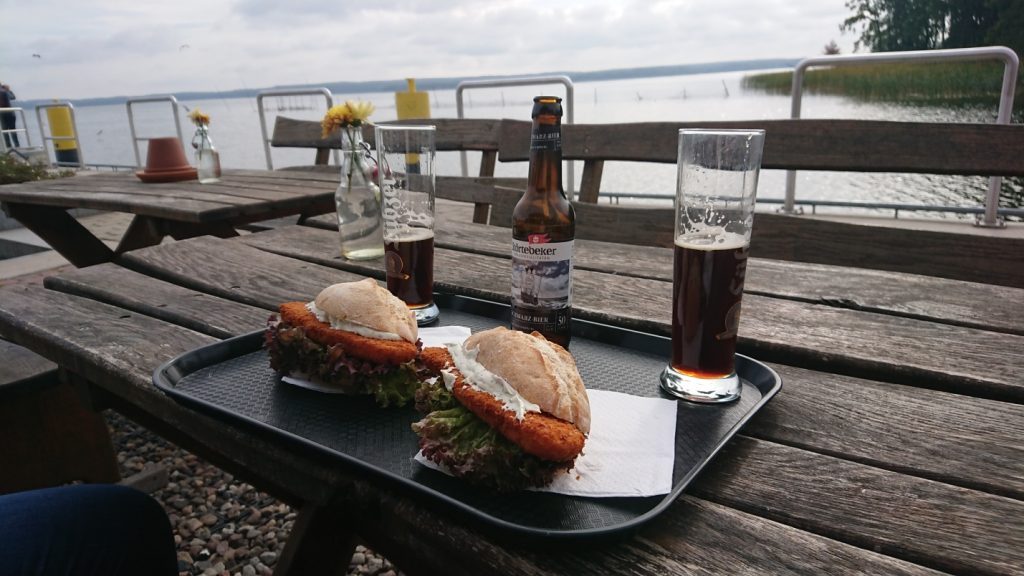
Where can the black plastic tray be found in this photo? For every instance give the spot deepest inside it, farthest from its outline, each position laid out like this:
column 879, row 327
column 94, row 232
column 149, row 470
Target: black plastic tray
column 233, row 380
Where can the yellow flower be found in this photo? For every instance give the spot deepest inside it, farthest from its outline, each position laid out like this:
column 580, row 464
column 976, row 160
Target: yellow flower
column 199, row 118
column 345, row 115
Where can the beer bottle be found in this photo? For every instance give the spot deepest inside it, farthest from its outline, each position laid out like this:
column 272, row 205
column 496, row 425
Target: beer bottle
column 543, row 228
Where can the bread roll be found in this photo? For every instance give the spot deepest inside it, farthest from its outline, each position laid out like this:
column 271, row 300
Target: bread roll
column 368, row 304
column 541, row 371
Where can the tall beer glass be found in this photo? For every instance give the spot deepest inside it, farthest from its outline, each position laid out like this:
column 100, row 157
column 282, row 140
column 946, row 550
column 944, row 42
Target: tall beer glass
column 714, row 207
column 405, row 174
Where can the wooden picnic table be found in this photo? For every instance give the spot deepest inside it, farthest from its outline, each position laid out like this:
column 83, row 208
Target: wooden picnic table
column 894, row 447
column 177, row 209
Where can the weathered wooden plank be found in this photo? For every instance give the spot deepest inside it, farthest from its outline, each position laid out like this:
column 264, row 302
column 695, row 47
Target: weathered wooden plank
column 161, row 207
column 970, row 442
column 231, row 186
column 243, row 198
column 694, row 537
column 297, row 176
column 142, row 294
column 880, row 246
column 988, row 259
column 175, row 201
column 236, row 272
column 452, row 134
column 497, row 193
column 969, row 361
column 803, row 144
column 953, row 302
column 99, row 187
column 934, row 524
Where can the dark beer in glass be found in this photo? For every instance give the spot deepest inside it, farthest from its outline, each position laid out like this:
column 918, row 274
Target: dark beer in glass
column 409, row 266
column 707, row 288
column 405, row 175
column 714, row 207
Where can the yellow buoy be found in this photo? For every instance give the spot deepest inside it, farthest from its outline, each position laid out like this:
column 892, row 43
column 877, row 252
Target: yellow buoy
column 62, row 127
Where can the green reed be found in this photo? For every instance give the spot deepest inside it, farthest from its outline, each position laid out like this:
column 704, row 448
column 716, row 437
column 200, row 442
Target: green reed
column 945, row 83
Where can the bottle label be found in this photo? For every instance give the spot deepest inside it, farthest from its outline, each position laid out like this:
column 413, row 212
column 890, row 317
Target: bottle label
column 546, row 137
column 541, row 284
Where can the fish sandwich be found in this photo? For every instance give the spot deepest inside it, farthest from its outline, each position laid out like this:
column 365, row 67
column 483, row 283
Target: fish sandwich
column 355, row 336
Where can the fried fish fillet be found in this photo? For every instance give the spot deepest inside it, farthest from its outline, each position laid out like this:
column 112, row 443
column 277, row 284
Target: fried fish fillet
column 372, row 349
column 538, row 433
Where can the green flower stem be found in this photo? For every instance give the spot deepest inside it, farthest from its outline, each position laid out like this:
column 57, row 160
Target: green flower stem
column 353, row 158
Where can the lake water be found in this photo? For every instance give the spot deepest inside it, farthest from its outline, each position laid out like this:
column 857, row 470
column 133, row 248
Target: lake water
column 235, row 129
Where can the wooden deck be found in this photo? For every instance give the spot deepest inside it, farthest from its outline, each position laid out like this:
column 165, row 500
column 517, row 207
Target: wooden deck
column 894, row 446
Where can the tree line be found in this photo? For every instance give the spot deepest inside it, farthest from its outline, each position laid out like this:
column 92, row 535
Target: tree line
column 898, row 25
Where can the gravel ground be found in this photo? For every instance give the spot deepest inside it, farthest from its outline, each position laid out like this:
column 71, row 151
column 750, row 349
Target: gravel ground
column 222, row 527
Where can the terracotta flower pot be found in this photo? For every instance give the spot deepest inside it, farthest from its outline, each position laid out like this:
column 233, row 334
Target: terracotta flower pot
column 166, row 162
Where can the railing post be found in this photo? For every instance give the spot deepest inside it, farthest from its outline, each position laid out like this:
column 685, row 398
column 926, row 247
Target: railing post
column 263, row 117
column 1011, row 63
column 570, row 117
column 15, row 131
column 131, row 121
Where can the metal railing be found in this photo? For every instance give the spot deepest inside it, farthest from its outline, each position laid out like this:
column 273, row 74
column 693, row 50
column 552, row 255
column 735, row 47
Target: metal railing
column 277, row 93
column 131, row 120
column 570, row 100
column 1011, row 63
column 46, row 139
column 896, row 207
column 8, row 132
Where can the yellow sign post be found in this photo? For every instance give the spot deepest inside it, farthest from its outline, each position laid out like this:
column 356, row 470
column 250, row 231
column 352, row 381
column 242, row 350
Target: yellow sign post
column 412, row 105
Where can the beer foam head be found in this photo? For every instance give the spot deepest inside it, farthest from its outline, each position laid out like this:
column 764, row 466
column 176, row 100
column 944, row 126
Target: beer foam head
column 711, row 238
column 408, row 234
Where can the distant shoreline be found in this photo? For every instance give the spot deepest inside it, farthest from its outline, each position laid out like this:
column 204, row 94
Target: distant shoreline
column 451, row 83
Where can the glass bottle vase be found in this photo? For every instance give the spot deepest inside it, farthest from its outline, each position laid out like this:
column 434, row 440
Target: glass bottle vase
column 207, row 157
column 357, row 200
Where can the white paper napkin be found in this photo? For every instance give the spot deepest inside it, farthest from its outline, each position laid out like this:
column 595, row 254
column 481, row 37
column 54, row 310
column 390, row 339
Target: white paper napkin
column 441, row 335
column 630, row 450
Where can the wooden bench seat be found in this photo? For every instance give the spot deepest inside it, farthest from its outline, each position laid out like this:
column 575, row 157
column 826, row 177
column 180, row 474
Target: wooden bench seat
column 830, row 145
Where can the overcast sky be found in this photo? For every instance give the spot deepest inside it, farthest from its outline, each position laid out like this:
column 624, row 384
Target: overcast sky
column 81, row 49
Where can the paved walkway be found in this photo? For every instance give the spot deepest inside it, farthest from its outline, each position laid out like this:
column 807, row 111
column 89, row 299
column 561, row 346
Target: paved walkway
column 107, row 226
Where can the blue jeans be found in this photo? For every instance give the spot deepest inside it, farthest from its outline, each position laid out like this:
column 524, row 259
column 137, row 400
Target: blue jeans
column 84, row 529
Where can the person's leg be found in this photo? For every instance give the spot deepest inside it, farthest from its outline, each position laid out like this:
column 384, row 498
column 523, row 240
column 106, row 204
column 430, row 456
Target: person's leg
column 85, row 529
column 8, row 121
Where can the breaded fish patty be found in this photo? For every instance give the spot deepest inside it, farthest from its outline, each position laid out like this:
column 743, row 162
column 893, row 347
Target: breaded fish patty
column 372, row 349
column 538, row 433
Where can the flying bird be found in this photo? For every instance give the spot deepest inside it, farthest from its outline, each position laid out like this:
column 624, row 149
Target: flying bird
column 182, row 47
column 36, row 56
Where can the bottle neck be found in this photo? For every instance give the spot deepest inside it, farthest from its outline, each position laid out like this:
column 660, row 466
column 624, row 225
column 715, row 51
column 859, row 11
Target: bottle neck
column 545, row 176
column 352, row 138
column 202, row 139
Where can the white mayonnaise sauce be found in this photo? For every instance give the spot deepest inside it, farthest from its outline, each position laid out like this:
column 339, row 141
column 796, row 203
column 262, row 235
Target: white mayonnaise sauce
column 482, row 379
column 349, row 326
